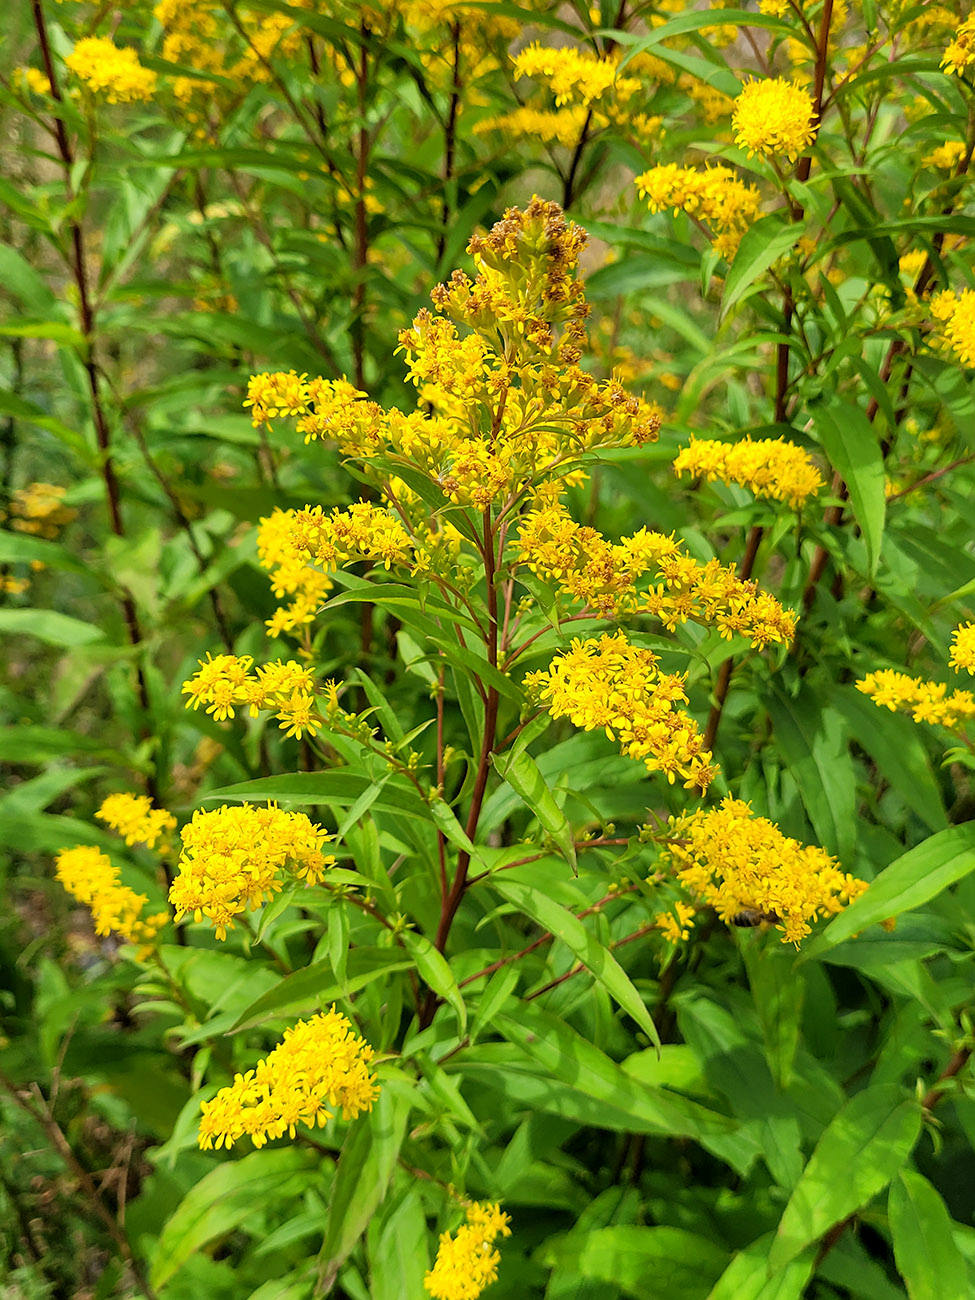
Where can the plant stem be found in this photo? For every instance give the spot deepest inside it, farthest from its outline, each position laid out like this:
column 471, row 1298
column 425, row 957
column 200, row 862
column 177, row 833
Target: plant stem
column 723, row 683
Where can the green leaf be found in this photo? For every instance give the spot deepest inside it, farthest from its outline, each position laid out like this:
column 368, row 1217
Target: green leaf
column 857, row 1156
column 761, row 245
column 224, row 1198
column 919, row 875
column 927, row 1258
column 338, row 789
column 814, row 748
column 55, row 330
column 19, row 548
column 365, row 1167
column 11, row 404
column 569, row 1058
column 747, row 1276
column 777, row 991
column 596, row 958
column 850, row 441
column 894, row 744
column 50, row 626
column 315, row 985
column 521, row 772
column 647, row 1263
column 434, row 970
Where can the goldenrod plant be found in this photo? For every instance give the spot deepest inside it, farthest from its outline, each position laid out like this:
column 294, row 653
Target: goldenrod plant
column 472, row 472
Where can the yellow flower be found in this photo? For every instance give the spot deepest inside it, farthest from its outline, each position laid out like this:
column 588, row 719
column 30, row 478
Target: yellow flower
column 925, row 701
column 107, row 70
column 135, row 819
column 677, row 924
column 467, row 1261
column 774, row 118
column 956, row 312
column 610, row 685
column 233, row 858
column 89, row 876
column 731, row 860
column 38, row 509
column 770, row 467
column 961, row 52
column 714, row 195
column 946, row 156
column 963, row 647
column 320, row 1063
column 562, row 126
column 572, row 75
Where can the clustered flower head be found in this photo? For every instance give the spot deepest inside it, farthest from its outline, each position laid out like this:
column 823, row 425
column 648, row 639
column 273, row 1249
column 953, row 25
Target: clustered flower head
column 321, row 1062
column 225, row 681
column 955, row 314
column 38, row 509
column 605, row 576
column 731, row 860
column 774, row 118
column 234, row 857
column 711, row 194
column 924, row 701
column 89, row 875
column 562, row 126
column 770, row 467
column 467, row 1260
column 571, row 74
column 608, row 684
column 291, row 576
column 133, row 817
column 107, row 70
column 962, row 654
column 960, row 54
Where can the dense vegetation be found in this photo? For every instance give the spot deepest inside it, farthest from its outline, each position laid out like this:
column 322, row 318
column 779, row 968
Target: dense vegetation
column 488, row 590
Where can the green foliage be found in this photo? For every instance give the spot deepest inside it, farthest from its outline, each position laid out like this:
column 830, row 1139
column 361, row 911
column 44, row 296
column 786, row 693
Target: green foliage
column 665, row 1098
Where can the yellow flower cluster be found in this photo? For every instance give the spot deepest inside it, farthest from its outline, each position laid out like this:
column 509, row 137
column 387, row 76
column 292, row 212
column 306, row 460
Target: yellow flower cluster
column 364, row 531
column 89, row 876
column 290, row 575
column 573, row 75
column 133, row 817
column 770, row 467
column 925, row 701
column 609, row 684
column 321, row 1062
column 604, row 576
column 714, row 195
column 677, row 923
column 946, row 156
column 774, row 118
column 226, row 681
column 196, row 35
column 562, row 126
column 233, row 858
column 38, row 509
column 956, row 316
column 498, row 365
column 107, row 70
column 962, row 653
column 737, row 863
column 467, row 1261
column 960, row 54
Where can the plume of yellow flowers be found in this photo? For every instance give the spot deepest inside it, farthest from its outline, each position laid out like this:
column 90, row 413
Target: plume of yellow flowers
column 924, row 701
column 467, row 1260
column 573, row 75
column 133, row 817
column 774, row 118
column 737, row 863
column 770, row 467
column 955, row 314
column 562, row 126
column 107, row 70
column 38, row 509
column 321, row 1062
column 714, row 195
column 608, row 684
column 89, row 875
column 290, row 575
column 234, row 857
column 225, row 681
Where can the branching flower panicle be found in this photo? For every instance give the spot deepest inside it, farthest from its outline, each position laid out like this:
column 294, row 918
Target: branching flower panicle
column 467, row 1260
column 133, row 817
column 774, row 118
column 234, row 857
column 321, row 1062
column 960, row 54
column 608, row 684
column 962, row 653
column 737, row 863
column 955, row 314
column 924, row 701
column 714, row 195
column 107, row 70
column 89, row 875
column 770, row 467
